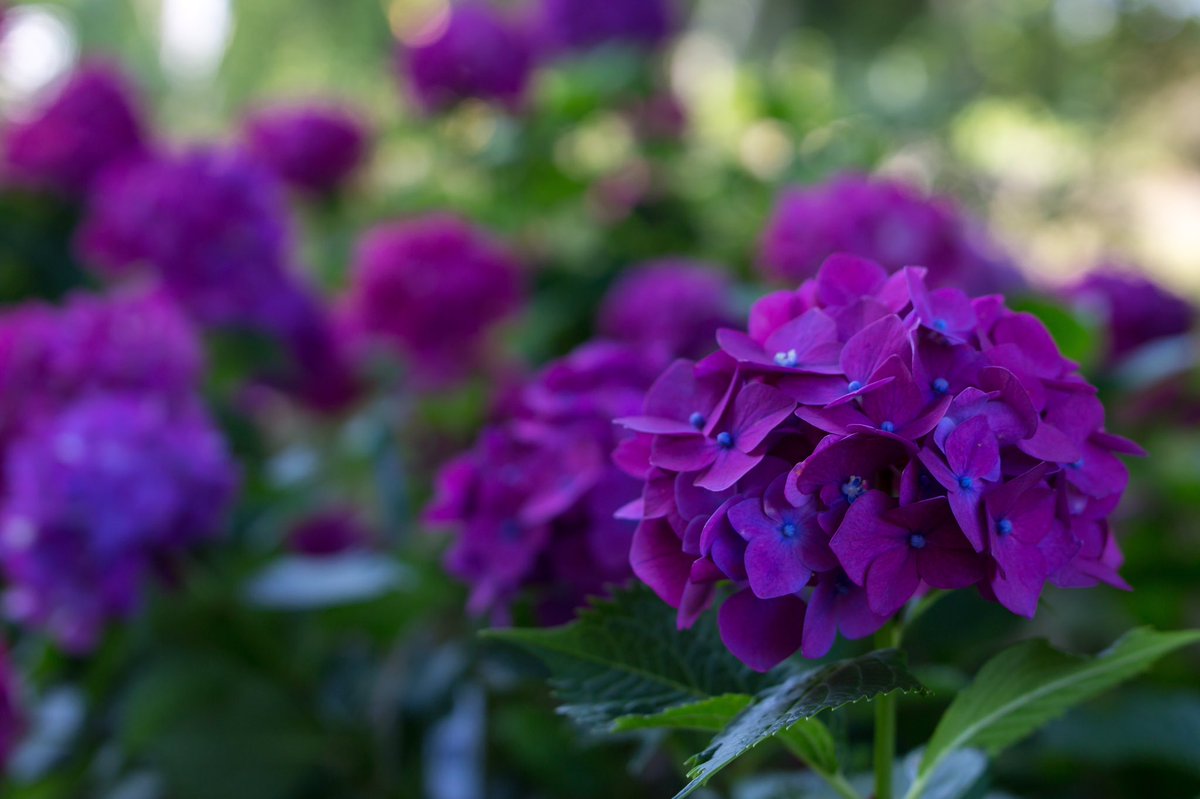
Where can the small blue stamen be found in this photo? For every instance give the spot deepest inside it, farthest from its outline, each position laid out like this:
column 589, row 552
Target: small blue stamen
column 917, row 540
column 1004, row 527
column 940, row 325
column 854, row 385
column 786, row 359
column 965, row 483
column 941, row 385
column 724, row 440
column 854, row 488
column 887, row 427
column 697, row 420
column 788, row 529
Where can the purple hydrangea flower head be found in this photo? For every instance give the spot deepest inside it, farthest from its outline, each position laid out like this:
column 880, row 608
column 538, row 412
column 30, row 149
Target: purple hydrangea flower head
column 212, row 224
column 96, row 496
column 92, row 123
column 533, row 504
column 468, row 51
column 580, row 25
column 12, row 715
column 314, row 148
column 885, row 221
column 433, row 286
column 330, row 532
column 675, row 306
column 868, row 438
column 1134, row 310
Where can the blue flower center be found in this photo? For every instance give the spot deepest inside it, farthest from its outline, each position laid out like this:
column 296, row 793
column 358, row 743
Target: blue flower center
column 697, row 420
column 855, row 385
column 941, row 385
column 1004, row 527
column 940, row 325
column 854, row 488
column 787, row 359
column 965, row 483
column 788, row 529
column 724, row 440
column 1077, row 464
column 887, row 427
column 917, row 540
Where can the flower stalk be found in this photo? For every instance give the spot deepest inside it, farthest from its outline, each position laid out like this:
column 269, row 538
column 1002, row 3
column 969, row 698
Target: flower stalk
column 885, row 720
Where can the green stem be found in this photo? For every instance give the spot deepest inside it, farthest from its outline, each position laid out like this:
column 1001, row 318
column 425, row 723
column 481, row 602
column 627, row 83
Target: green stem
column 885, row 721
column 841, row 786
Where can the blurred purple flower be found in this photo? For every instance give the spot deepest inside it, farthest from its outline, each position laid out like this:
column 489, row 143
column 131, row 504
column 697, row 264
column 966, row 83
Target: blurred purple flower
column 468, row 51
column 329, row 532
column 532, row 504
column 12, row 715
column 579, row 25
column 313, row 148
column 92, row 123
column 1133, row 310
column 434, row 287
column 866, row 439
column 675, row 306
column 885, row 221
column 96, row 497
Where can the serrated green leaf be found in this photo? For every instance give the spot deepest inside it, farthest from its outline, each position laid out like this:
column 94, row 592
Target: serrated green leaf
column 801, row 697
column 1030, row 684
column 707, row 715
column 625, row 657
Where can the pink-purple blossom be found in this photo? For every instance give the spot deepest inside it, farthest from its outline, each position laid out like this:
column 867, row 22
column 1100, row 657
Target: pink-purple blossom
column 885, row 221
column 580, row 25
column 468, row 51
column 866, row 439
column 314, row 147
column 1132, row 309
column 433, row 287
column 89, row 125
column 532, row 504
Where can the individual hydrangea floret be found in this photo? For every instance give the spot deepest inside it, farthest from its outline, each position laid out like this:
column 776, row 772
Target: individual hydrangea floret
column 674, row 306
column 468, row 51
column 532, row 503
column 1133, row 310
column 885, row 221
column 580, row 25
column 91, row 123
column 314, row 148
column 97, row 498
column 433, row 287
column 866, row 439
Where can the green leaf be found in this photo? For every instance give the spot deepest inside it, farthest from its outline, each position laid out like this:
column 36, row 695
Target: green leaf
column 801, row 697
column 812, row 742
column 625, row 657
column 1030, row 684
column 706, row 715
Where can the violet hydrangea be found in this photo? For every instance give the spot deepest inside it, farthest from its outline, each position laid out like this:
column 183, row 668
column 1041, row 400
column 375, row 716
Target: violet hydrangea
column 673, row 306
column 314, row 148
column 866, row 439
column 433, row 287
column 888, row 222
column 532, row 503
column 1133, row 310
column 96, row 499
column 579, row 25
column 92, row 123
column 468, row 51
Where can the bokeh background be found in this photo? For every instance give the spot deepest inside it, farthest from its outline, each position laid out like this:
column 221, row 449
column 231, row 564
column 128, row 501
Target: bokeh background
column 1069, row 128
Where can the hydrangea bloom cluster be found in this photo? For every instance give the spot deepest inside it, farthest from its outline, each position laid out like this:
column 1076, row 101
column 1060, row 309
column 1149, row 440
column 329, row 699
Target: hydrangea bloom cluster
column 313, row 148
column 95, row 498
column 579, row 25
column 1135, row 311
column 868, row 438
column 433, row 286
column 672, row 306
column 532, row 503
column 887, row 222
column 91, row 124
column 469, row 51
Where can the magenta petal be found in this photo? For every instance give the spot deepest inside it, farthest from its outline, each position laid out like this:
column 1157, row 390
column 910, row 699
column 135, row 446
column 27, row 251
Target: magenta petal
column 844, row 278
column 655, row 424
column 683, row 453
column 775, row 565
column 730, row 466
column 659, row 561
column 1049, row 443
column 892, row 580
column 870, row 347
column 864, row 536
column 758, row 410
column 697, row 597
column 762, row 633
column 1020, row 585
column 820, row 621
column 972, row 450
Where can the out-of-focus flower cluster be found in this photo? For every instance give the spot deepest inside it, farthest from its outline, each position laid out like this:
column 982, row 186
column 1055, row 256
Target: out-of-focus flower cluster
column 533, row 502
column 887, row 222
column 1132, row 310
column 866, row 439
column 111, row 466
